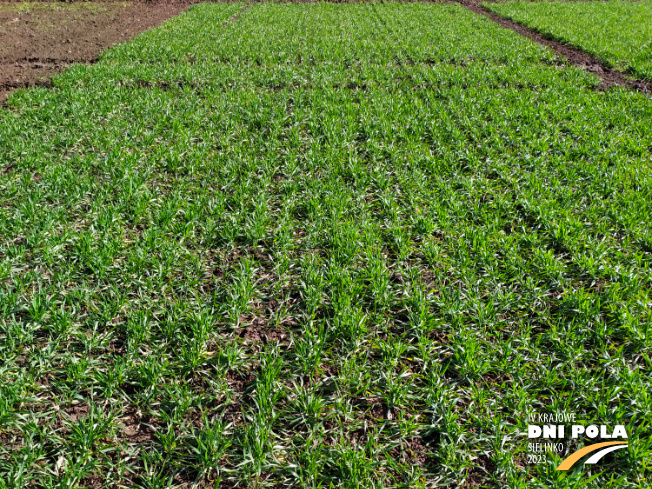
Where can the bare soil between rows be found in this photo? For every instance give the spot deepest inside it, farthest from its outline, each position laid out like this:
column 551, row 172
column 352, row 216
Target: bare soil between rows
column 41, row 39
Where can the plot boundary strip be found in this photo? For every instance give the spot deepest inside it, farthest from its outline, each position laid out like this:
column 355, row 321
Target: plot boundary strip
column 577, row 57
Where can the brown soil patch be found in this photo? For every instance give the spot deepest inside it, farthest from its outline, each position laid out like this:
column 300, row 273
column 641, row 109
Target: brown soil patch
column 262, row 334
column 374, row 409
column 136, row 428
column 239, row 381
column 76, row 412
column 610, row 78
column 39, row 40
column 414, row 453
column 93, row 481
column 476, row 475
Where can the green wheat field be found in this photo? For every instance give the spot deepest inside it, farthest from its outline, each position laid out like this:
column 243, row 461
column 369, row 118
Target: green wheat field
column 322, row 246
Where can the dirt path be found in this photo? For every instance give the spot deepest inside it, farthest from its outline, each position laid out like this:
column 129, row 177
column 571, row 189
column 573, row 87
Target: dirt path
column 40, row 39
column 577, row 57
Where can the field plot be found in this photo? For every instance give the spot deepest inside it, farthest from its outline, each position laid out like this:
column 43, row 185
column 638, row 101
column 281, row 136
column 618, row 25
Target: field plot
column 620, row 33
column 39, row 39
column 321, row 246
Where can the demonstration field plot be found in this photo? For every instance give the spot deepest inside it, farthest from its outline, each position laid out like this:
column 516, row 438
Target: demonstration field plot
column 39, row 39
column 322, row 244
column 620, row 33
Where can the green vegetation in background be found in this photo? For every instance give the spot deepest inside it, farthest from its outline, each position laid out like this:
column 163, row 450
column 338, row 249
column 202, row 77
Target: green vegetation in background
column 322, row 246
column 618, row 32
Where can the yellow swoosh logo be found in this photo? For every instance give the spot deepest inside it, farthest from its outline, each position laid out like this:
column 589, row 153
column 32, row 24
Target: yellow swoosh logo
column 571, row 459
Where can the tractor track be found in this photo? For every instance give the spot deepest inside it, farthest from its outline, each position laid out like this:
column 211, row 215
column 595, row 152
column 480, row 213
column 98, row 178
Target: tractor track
column 576, row 57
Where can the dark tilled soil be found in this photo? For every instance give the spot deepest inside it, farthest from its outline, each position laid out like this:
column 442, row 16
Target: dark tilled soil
column 610, row 78
column 38, row 41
